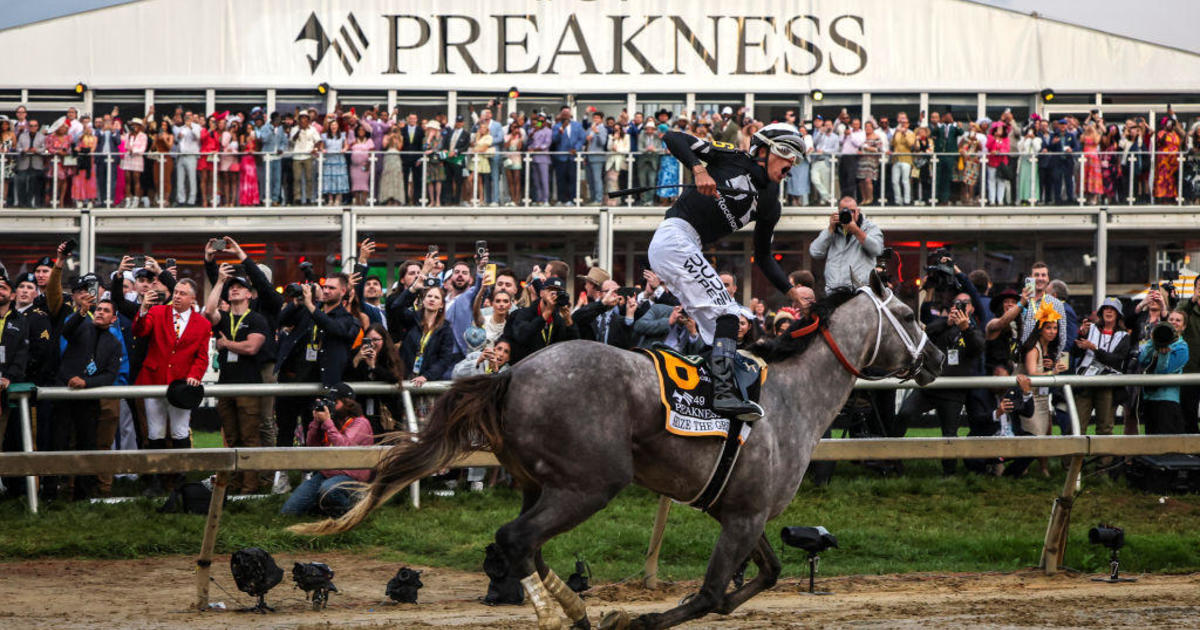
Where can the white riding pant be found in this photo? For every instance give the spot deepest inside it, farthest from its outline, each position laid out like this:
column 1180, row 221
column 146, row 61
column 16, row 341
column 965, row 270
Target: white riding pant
column 160, row 414
column 677, row 257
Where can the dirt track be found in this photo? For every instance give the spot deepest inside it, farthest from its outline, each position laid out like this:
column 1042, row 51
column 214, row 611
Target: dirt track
column 156, row 593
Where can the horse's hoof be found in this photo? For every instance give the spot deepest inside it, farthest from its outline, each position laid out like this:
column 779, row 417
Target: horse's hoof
column 582, row 624
column 615, row 620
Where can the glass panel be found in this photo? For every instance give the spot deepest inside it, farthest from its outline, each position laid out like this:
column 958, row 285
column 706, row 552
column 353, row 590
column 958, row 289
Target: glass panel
column 549, row 104
column 425, row 107
column 774, row 110
column 1019, row 104
column 649, row 104
column 832, row 105
column 962, row 106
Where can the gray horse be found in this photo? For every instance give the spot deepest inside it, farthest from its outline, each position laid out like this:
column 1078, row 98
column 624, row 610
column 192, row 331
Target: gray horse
column 578, row 421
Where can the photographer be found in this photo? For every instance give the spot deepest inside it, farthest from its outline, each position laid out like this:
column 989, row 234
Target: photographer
column 336, row 420
column 669, row 325
column 91, row 358
column 240, row 334
column 610, row 318
column 1100, row 349
column 547, row 322
column 849, row 247
column 1164, row 353
column 955, row 334
column 316, row 348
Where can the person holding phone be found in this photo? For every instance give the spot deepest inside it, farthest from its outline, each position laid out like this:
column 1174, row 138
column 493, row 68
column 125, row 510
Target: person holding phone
column 1042, row 355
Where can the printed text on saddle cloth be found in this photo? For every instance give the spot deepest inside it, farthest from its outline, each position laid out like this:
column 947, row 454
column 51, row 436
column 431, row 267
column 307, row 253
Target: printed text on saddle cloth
column 685, row 388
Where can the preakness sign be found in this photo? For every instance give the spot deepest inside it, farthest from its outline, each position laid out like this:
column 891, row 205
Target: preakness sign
column 587, row 46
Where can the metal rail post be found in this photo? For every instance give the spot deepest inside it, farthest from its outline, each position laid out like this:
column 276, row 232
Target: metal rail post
column 31, row 486
column 1101, row 264
column 410, row 415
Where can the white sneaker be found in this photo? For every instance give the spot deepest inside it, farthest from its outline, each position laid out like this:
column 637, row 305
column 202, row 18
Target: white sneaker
column 281, row 485
column 145, row 202
column 476, row 486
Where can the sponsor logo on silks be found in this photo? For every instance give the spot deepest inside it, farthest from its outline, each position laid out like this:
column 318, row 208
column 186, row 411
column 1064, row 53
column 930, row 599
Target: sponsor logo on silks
column 314, row 31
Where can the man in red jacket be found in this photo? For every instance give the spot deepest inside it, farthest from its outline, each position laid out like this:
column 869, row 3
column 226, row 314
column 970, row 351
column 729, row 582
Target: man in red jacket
column 178, row 349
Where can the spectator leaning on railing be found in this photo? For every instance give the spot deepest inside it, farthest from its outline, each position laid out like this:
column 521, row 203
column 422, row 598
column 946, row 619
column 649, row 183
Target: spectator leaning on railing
column 1100, row 348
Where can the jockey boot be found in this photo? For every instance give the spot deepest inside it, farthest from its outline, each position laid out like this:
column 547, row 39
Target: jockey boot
column 727, row 396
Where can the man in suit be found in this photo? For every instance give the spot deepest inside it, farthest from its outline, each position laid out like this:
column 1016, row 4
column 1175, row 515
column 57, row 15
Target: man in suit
column 456, row 145
column 945, row 135
column 567, row 140
column 609, row 318
column 91, row 358
column 177, row 349
column 413, row 138
column 596, row 147
column 1064, row 145
column 1044, row 161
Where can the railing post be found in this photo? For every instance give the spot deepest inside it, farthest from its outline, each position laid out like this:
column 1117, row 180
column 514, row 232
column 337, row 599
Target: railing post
column 1179, row 183
column 1081, row 188
column 881, row 194
column 834, row 193
column 475, row 180
column 410, row 416
column 424, row 199
column 1034, row 191
column 216, row 185
column 1132, row 175
column 579, row 178
column 371, row 160
column 1055, row 545
column 629, row 179
column 527, row 161
column 267, row 180
column 3, row 189
column 933, row 165
column 320, row 179
column 54, row 184
column 983, row 200
column 108, row 181
column 27, row 445
column 1101, row 264
column 162, row 179
column 1153, row 168
column 204, row 561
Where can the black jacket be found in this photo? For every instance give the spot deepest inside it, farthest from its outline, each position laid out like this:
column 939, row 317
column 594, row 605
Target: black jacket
column 525, row 327
column 411, row 149
column 43, row 346
column 968, row 344
column 620, row 334
column 88, row 344
column 401, row 314
column 439, row 355
column 336, row 332
column 14, row 338
column 269, row 302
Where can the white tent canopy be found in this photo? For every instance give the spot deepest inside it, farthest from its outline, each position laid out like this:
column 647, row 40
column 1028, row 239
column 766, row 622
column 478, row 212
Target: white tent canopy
column 584, row 46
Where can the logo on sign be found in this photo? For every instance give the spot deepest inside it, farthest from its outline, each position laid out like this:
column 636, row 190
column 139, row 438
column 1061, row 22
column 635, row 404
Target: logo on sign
column 344, row 41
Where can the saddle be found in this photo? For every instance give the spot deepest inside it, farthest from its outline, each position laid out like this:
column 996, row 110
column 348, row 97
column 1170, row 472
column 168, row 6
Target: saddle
column 686, row 391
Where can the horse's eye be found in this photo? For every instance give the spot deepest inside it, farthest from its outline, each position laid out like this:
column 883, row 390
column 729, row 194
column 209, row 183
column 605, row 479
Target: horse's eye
column 910, row 318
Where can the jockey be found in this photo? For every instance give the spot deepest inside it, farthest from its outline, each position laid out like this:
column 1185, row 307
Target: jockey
column 702, row 215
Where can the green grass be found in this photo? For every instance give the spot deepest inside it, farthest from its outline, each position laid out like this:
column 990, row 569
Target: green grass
column 918, row 522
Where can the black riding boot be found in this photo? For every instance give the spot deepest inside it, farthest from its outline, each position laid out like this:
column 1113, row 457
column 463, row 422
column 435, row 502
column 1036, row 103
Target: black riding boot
column 155, row 489
column 727, row 396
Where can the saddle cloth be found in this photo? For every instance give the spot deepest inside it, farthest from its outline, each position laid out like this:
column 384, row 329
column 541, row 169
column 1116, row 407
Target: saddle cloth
column 686, row 390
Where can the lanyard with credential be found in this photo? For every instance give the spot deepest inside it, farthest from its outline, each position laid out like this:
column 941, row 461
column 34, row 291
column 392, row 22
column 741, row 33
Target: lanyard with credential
column 234, row 325
column 424, row 340
column 547, row 333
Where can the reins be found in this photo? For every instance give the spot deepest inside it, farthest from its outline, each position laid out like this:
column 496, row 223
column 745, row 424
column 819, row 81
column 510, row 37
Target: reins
column 833, row 345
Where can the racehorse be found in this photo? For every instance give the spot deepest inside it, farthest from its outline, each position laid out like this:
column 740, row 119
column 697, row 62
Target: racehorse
column 577, row 421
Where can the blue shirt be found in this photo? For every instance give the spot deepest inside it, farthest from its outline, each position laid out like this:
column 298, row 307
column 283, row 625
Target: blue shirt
column 272, row 138
column 1170, row 363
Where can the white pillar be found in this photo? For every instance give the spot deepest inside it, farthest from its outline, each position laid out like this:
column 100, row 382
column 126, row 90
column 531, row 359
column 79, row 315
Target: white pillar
column 981, row 106
column 748, row 102
column 451, row 105
column 1101, row 264
column 924, row 107
column 87, row 241
column 210, row 102
column 148, row 102
column 270, row 102
column 512, row 109
column 806, row 107
column 88, row 102
column 330, row 100
column 866, row 106
column 391, row 104
column 631, row 104
column 689, row 104
column 348, row 235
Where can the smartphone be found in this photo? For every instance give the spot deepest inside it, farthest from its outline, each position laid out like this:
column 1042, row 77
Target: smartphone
column 170, row 263
column 72, row 245
column 489, row 275
column 369, row 236
column 220, row 244
column 433, row 250
column 480, row 248
column 627, row 292
column 1030, row 285
column 139, row 261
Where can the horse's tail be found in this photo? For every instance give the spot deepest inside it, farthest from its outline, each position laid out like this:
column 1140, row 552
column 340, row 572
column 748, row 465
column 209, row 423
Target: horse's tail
column 463, row 419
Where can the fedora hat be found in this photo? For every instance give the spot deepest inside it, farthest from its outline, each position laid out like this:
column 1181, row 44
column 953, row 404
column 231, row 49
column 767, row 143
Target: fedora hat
column 184, row 396
column 596, row 276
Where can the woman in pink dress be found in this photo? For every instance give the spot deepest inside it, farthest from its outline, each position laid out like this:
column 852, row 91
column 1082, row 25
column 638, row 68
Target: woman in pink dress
column 248, row 191
column 210, row 142
column 58, row 145
column 229, row 162
column 1092, row 176
column 83, row 184
column 360, row 164
column 136, row 143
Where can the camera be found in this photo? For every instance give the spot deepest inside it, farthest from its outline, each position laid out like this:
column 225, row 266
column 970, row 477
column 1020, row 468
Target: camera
column 845, row 216
column 961, row 305
column 139, row 261
column 93, row 288
column 627, row 292
column 170, row 263
column 293, row 290
column 306, row 268
column 1162, row 335
column 432, row 281
column 323, row 404
column 1107, row 535
column 562, row 300
column 941, row 274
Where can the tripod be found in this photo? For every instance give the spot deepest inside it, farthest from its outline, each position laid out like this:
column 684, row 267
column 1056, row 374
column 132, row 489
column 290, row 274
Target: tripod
column 814, row 560
column 1115, row 577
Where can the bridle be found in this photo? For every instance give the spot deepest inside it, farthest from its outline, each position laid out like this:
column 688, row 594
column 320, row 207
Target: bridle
column 915, row 348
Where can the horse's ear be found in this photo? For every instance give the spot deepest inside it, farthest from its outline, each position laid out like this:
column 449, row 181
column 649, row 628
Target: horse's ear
column 876, row 284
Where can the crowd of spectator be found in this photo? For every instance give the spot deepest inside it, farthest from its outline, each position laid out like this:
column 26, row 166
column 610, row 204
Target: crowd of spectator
column 144, row 324
column 373, row 156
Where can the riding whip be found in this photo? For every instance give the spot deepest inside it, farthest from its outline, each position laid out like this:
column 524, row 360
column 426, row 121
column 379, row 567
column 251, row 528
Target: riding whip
column 625, row 192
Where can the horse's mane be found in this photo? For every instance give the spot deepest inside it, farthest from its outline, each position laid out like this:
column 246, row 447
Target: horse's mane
column 780, row 348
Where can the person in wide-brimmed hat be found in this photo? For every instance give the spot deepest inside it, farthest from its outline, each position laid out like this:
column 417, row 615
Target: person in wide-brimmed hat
column 136, row 144
column 1101, row 348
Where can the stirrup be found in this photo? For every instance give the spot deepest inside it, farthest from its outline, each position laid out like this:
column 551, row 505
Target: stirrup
column 748, row 411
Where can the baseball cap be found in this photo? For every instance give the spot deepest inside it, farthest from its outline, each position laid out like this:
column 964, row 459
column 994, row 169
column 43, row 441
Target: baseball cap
column 727, row 110
column 143, row 273
column 24, row 277
column 554, row 282
column 81, row 283
column 238, row 280
column 475, row 337
column 339, row 391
